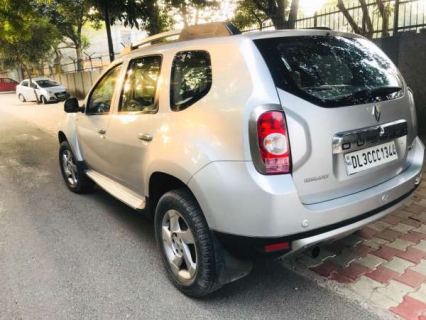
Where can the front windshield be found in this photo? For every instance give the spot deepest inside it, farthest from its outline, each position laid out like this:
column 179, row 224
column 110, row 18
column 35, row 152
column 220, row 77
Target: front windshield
column 47, row 83
column 331, row 71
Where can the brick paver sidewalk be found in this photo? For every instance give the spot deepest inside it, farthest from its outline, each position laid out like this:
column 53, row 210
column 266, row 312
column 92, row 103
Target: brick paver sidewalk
column 385, row 262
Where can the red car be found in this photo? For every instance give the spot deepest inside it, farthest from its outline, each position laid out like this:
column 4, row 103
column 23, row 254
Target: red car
column 7, row 84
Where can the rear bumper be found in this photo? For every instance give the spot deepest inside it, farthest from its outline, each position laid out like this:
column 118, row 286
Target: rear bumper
column 239, row 202
column 251, row 248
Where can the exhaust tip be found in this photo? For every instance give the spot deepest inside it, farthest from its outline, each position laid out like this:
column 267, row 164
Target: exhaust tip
column 315, row 252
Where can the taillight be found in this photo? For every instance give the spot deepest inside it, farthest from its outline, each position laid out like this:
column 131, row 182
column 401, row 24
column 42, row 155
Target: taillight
column 273, row 141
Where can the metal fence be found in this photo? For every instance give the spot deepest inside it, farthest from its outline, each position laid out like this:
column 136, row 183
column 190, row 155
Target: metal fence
column 405, row 16
column 89, row 63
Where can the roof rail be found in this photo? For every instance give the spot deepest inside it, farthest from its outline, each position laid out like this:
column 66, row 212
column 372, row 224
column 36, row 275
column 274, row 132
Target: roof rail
column 206, row 30
column 156, row 38
column 320, row 28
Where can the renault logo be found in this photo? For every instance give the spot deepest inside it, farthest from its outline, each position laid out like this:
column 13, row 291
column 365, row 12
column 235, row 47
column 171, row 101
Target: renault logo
column 376, row 112
column 385, row 198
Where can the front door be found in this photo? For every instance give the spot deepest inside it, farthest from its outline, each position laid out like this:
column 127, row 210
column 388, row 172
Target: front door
column 131, row 131
column 92, row 126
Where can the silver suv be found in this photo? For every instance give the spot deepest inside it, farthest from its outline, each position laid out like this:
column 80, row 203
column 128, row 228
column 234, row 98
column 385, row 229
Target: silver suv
column 245, row 145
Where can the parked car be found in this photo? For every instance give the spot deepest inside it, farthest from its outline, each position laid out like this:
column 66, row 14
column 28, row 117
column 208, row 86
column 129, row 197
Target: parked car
column 47, row 90
column 246, row 145
column 7, row 84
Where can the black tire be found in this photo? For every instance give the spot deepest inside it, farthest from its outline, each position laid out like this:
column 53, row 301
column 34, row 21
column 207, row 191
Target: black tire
column 22, row 98
column 83, row 183
column 205, row 280
column 43, row 100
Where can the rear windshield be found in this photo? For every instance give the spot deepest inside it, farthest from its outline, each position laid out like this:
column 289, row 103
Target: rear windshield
column 331, row 71
column 47, row 83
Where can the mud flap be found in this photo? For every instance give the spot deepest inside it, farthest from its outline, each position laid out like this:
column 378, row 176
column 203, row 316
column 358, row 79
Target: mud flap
column 228, row 267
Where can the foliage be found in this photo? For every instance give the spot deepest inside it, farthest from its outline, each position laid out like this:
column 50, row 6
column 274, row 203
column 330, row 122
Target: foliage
column 69, row 17
column 26, row 39
column 189, row 10
column 367, row 27
column 132, row 13
column 157, row 20
column 247, row 15
column 282, row 13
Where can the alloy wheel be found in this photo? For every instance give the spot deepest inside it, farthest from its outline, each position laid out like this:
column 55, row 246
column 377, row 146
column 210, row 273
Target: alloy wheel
column 70, row 168
column 179, row 246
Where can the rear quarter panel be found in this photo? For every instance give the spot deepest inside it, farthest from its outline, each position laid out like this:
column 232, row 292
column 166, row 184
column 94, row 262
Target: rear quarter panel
column 216, row 127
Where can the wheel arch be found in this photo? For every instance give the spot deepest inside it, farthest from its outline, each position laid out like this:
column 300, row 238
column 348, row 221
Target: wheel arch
column 161, row 183
column 67, row 131
column 62, row 137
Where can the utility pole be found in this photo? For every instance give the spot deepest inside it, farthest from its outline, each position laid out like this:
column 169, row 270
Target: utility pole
column 108, row 29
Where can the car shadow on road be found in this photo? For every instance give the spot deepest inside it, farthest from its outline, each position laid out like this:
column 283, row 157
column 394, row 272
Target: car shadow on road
column 137, row 221
column 271, row 290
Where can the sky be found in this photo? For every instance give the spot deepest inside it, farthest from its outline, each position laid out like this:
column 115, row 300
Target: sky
column 310, row 6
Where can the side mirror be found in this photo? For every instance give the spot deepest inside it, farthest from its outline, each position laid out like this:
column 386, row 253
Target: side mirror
column 71, row 106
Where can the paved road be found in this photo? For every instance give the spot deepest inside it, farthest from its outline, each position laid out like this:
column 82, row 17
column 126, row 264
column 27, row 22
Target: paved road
column 65, row 256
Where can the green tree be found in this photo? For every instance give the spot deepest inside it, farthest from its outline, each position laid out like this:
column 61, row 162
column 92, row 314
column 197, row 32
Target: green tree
column 130, row 13
column 26, row 39
column 189, row 10
column 248, row 15
column 283, row 13
column 157, row 20
column 69, row 17
column 367, row 27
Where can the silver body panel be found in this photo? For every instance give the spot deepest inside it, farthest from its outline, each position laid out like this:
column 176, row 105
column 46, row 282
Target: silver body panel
column 312, row 130
column 269, row 206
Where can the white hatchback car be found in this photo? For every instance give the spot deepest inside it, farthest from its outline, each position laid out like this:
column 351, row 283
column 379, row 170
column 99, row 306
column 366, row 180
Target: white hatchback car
column 47, row 90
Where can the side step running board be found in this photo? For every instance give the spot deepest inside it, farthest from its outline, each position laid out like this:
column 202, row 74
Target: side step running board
column 117, row 190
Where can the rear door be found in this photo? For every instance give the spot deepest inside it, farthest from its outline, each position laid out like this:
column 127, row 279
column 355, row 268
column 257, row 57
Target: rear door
column 29, row 91
column 348, row 113
column 26, row 90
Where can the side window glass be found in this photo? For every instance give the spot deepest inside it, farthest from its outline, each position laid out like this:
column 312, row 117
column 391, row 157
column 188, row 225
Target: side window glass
column 191, row 78
column 140, row 86
column 25, row 84
column 101, row 96
column 33, row 85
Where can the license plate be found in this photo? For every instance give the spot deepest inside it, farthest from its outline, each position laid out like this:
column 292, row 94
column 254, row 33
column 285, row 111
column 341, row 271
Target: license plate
column 61, row 95
column 370, row 158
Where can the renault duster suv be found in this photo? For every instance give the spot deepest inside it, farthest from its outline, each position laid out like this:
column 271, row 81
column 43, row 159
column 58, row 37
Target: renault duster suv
column 245, row 145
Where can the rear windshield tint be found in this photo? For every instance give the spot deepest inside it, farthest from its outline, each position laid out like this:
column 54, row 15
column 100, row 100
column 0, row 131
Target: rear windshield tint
column 331, row 71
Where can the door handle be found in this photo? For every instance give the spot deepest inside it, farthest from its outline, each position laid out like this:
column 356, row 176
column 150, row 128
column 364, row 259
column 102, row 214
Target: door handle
column 101, row 131
column 145, row 137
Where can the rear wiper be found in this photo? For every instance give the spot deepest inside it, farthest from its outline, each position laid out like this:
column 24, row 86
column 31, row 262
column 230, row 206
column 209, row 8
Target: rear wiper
column 319, row 88
column 326, row 87
column 377, row 92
